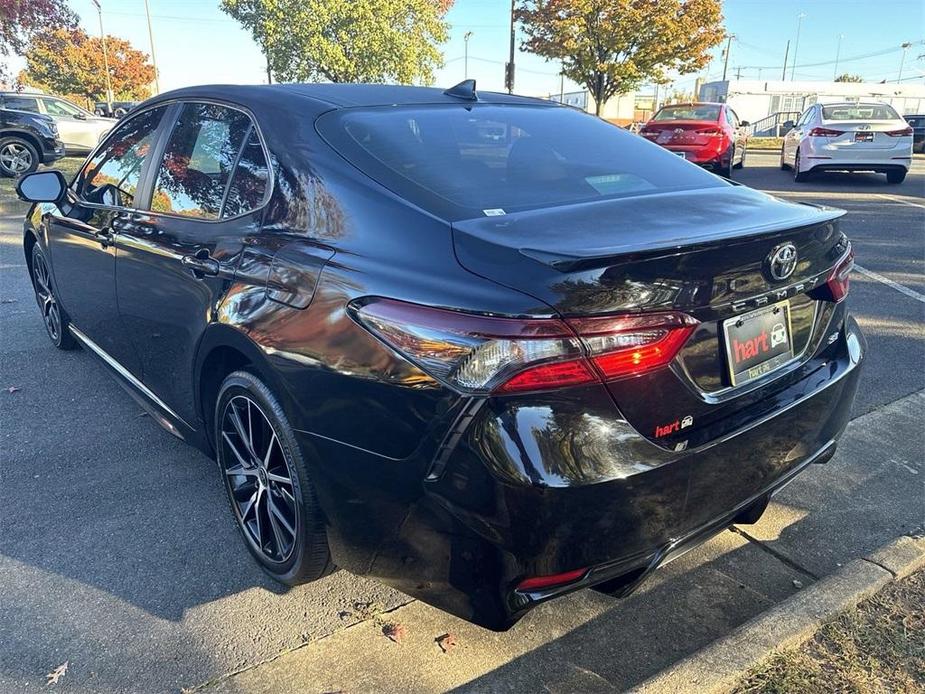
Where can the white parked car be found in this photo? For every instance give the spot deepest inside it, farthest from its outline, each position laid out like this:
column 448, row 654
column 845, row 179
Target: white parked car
column 849, row 137
column 80, row 130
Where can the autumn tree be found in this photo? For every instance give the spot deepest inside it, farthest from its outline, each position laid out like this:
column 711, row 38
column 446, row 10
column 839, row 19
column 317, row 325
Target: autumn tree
column 20, row 20
column 847, row 77
column 613, row 46
column 71, row 62
column 346, row 41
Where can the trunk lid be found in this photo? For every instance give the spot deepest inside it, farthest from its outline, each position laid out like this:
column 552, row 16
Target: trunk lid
column 702, row 252
column 681, row 132
column 865, row 134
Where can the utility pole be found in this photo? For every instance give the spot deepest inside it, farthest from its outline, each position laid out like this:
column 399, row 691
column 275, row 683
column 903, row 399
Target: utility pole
column 796, row 45
column 726, row 61
column 739, row 72
column 783, row 75
column 562, row 86
column 902, row 60
column 837, row 55
column 99, row 11
column 157, row 84
column 509, row 68
column 466, row 37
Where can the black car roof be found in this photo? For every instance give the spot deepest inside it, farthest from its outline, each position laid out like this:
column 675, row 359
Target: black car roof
column 340, row 95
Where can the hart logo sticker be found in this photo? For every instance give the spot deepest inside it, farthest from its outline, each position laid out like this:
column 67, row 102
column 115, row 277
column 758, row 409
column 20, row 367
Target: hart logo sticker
column 674, row 427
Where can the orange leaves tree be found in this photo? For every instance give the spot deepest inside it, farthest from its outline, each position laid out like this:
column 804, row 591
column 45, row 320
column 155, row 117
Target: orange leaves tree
column 20, row 20
column 69, row 62
column 613, row 46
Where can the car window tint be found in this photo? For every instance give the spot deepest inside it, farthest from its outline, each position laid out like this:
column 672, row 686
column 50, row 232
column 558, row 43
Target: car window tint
column 56, row 107
column 111, row 177
column 21, row 103
column 198, row 161
column 860, row 112
column 493, row 157
column 251, row 177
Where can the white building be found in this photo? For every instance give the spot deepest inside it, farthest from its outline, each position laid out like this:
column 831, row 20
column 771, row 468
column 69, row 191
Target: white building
column 753, row 100
column 618, row 109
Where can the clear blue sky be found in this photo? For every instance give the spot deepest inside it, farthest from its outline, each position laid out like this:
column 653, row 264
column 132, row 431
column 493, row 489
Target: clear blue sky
column 196, row 43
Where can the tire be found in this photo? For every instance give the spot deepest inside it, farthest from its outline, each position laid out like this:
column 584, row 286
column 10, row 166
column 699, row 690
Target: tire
column 741, row 164
column 896, row 177
column 54, row 317
column 289, row 544
column 799, row 176
column 726, row 170
column 17, row 157
column 783, row 165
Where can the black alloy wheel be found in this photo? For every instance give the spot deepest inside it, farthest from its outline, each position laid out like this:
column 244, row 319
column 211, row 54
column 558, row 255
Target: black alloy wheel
column 267, row 484
column 56, row 322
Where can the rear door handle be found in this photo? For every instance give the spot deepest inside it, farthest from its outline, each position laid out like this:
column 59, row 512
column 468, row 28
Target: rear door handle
column 201, row 264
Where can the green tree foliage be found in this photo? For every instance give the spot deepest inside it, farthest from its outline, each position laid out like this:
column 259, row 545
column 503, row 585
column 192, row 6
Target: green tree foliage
column 346, row 40
column 849, row 78
column 69, row 62
column 613, row 46
column 20, row 20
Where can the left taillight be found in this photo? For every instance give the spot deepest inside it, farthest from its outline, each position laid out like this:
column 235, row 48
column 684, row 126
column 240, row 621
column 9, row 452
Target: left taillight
column 839, row 279
column 485, row 354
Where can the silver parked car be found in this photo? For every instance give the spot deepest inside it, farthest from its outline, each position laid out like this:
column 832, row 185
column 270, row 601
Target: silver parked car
column 79, row 129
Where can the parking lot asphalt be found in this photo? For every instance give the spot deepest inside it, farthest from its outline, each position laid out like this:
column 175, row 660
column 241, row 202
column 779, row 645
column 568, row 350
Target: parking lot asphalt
column 118, row 554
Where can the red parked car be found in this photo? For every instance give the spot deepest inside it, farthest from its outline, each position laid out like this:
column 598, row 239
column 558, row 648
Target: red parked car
column 707, row 134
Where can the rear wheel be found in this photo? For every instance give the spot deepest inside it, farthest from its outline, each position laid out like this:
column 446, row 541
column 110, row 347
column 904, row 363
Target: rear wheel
column 799, row 176
column 54, row 317
column 741, row 163
column 896, row 176
column 17, row 157
column 267, row 482
column 783, row 164
column 725, row 169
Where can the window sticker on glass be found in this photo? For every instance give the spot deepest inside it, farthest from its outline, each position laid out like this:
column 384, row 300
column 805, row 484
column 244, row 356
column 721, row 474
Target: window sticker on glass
column 494, row 212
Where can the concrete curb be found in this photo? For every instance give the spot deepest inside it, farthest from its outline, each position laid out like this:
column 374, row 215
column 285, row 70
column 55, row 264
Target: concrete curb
column 718, row 667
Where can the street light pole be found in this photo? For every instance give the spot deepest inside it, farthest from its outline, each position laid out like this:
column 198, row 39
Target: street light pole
column 99, row 11
column 509, row 70
column 837, row 55
column 796, row 45
column 157, row 84
column 466, row 38
column 902, row 60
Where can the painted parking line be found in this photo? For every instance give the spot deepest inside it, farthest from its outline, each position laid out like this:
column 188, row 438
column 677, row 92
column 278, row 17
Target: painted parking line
column 890, row 283
column 901, row 201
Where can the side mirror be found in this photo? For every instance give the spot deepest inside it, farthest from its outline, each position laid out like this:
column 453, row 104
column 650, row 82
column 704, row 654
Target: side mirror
column 42, row 186
column 80, row 116
column 744, row 123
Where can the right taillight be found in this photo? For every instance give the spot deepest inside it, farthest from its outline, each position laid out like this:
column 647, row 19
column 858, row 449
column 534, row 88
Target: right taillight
column 485, row 354
column 825, row 132
column 840, row 277
column 709, row 131
column 905, row 132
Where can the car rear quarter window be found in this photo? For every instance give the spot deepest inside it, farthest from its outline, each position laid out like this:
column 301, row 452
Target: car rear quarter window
column 484, row 159
column 111, row 177
column 199, row 159
column 250, row 180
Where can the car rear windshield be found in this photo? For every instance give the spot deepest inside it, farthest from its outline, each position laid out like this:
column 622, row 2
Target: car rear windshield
column 688, row 112
column 859, row 112
column 483, row 159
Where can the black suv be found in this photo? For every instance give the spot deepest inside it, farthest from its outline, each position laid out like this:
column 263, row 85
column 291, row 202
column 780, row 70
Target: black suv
column 27, row 140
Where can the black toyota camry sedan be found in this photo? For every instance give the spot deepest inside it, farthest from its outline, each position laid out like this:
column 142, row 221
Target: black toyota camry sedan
column 484, row 348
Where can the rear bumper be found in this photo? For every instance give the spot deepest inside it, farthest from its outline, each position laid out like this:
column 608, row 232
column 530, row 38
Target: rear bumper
column 708, row 156
column 840, row 157
column 538, row 488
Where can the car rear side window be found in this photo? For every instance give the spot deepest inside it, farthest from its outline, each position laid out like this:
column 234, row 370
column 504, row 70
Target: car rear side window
column 250, row 180
column 21, row 103
column 111, row 177
column 489, row 159
column 198, row 160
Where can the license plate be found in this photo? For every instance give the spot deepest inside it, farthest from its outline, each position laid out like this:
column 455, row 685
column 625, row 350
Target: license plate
column 863, row 136
column 758, row 342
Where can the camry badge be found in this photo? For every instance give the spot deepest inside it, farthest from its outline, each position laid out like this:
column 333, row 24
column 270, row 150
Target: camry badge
column 782, row 261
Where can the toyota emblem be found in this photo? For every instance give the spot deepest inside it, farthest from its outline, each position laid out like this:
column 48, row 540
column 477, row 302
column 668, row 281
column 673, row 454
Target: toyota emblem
column 782, row 261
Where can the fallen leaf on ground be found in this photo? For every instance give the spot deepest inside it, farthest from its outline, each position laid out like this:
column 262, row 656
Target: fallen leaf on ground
column 396, row 632
column 12, row 389
column 447, row 642
column 56, row 674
